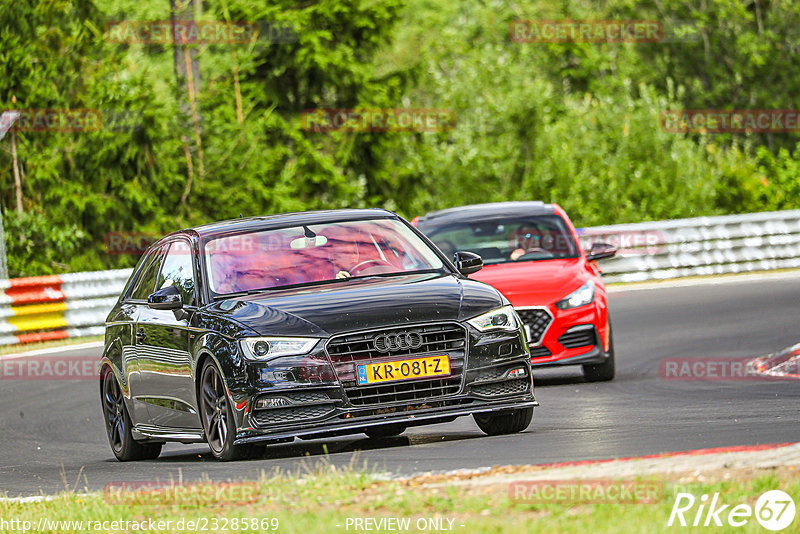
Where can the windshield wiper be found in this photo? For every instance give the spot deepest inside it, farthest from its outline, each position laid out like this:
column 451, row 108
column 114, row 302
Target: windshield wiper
column 240, row 293
column 318, row 283
column 393, row 273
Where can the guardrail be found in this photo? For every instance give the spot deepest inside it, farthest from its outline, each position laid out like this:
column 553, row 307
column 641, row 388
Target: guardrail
column 44, row 308
column 699, row 246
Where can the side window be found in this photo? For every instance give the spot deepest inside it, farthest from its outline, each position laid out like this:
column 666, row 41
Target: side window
column 146, row 282
column 177, row 271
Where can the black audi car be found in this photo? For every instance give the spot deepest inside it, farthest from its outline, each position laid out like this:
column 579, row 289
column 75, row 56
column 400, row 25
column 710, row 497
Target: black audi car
column 250, row 331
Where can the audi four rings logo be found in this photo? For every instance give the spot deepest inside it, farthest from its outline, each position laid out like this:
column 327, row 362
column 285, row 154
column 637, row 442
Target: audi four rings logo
column 402, row 341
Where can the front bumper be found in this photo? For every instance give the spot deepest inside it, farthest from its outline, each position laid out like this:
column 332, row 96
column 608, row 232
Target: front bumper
column 316, row 394
column 570, row 337
column 353, row 423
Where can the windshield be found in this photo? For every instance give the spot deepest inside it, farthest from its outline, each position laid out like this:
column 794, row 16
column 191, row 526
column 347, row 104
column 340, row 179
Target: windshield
column 544, row 237
column 312, row 254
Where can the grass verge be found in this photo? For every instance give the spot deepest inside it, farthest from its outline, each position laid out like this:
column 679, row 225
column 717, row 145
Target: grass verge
column 323, row 499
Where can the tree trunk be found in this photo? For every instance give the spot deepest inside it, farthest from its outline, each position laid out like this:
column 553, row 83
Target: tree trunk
column 187, row 70
column 15, row 163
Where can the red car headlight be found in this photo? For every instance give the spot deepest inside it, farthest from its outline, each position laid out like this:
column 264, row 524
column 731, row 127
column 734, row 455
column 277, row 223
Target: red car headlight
column 580, row 297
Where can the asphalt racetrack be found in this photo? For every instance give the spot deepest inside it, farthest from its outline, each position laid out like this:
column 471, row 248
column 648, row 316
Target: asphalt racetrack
column 52, row 436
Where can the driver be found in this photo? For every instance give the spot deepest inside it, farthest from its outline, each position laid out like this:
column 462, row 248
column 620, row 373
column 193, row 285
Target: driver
column 353, row 252
column 342, row 250
column 346, row 258
column 524, row 242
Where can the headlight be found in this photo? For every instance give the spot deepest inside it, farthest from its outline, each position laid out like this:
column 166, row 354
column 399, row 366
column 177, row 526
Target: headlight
column 267, row 348
column 504, row 318
column 580, row 297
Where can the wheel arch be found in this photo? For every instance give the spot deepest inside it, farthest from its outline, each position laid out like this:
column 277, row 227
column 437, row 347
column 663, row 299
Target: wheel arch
column 112, row 359
column 205, row 354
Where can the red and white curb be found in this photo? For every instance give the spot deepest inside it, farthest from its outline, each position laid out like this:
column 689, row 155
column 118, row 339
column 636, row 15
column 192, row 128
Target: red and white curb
column 691, row 462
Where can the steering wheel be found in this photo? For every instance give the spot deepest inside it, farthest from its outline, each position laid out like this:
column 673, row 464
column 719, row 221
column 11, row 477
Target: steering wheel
column 535, row 251
column 366, row 264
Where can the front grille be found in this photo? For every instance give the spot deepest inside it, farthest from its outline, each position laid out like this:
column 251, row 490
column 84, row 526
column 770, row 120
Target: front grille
column 537, row 320
column 540, row 352
column 520, row 385
column 410, row 408
column 577, row 337
column 492, row 373
column 347, row 351
column 403, row 391
column 290, row 415
column 360, row 347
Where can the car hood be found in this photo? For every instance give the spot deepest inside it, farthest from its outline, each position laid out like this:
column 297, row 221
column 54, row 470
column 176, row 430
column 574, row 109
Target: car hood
column 535, row 283
column 360, row 304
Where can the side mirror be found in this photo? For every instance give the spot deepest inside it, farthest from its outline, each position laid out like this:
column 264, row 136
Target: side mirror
column 600, row 251
column 467, row 262
column 168, row 298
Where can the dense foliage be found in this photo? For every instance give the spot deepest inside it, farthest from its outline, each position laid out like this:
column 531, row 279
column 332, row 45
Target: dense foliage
column 573, row 123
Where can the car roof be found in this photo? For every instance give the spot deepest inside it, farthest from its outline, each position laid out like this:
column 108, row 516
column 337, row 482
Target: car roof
column 282, row 220
column 489, row 211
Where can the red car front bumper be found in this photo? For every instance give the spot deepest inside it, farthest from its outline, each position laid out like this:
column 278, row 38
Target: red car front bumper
column 566, row 337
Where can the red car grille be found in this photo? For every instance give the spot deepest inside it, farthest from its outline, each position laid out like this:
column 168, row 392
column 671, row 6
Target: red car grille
column 537, row 320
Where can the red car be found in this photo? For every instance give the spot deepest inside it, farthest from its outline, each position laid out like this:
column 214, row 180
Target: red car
column 531, row 254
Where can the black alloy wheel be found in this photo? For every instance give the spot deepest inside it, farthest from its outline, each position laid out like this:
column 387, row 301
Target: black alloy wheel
column 118, row 424
column 217, row 416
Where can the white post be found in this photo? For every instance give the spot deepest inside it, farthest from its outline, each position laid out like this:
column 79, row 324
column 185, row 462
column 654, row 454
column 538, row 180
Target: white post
column 7, row 120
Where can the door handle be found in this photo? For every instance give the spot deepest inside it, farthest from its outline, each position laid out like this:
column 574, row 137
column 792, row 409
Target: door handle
column 140, row 336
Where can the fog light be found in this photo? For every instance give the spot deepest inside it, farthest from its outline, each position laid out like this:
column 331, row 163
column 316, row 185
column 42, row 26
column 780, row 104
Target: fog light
column 271, row 402
column 516, row 373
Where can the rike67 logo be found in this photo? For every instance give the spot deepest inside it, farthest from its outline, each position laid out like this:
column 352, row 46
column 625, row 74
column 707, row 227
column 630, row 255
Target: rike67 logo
column 774, row 510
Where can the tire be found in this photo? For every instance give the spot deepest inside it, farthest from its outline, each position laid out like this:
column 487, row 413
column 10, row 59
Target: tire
column 118, row 423
column 385, row 431
column 217, row 416
column 602, row 372
column 495, row 424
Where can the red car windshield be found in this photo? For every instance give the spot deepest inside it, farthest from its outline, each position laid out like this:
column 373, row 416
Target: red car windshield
column 544, row 237
column 316, row 253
